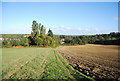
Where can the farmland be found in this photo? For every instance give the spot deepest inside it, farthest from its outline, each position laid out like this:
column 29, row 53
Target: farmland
column 37, row 63
column 97, row 61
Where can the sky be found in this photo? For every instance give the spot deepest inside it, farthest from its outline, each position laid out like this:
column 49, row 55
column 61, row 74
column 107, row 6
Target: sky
column 63, row 18
column 60, row 0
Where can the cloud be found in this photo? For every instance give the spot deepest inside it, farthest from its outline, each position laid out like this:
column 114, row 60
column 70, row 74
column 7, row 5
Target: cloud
column 58, row 30
column 62, row 30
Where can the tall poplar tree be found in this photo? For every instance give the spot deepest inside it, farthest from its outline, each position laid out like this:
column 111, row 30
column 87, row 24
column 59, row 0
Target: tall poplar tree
column 35, row 28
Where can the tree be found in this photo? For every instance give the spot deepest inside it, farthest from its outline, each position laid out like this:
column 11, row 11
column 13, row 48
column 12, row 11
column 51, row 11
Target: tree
column 76, row 40
column 101, row 38
column 42, row 30
column 50, row 33
column 84, row 39
column 31, row 40
column 38, row 41
column 6, row 43
column 81, row 42
column 24, row 42
column 35, row 28
column 38, row 36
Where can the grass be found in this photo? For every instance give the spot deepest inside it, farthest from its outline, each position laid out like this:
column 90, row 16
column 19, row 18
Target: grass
column 37, row 63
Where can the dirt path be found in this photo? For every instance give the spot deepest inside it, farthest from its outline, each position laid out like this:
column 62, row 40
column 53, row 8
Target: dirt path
column 97, row 61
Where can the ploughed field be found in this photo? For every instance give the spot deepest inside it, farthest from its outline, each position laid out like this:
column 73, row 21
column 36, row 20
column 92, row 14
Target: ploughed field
column 37, row 63
column 98, row 61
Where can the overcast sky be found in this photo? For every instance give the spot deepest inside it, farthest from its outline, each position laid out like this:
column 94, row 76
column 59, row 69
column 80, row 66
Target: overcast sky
column 69, row 18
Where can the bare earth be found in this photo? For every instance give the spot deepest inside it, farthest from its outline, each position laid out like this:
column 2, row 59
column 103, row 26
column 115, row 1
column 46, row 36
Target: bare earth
column 97, row 61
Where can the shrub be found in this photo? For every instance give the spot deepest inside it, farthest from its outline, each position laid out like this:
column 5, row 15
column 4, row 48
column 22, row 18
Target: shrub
column 6, row 43
column 26, row 44
column 15, row 43
column 23, row 41
column 38, row 41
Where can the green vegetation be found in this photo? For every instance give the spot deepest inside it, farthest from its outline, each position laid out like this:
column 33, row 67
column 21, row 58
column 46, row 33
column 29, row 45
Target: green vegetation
column 50, row 33
column 37, row 38
column 112, row 38
column 40, row 39
column 14, row 35
column 15, row 42
column 37, row 63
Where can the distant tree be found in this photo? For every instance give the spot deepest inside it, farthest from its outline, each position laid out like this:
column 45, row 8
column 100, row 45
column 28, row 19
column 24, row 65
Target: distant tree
column 81, row 42
column 84, row 39
column 6, row 43
column 50, row 33
column 101, row 38
column 62, row 36
column 76, row 40
column 35, row 28
column 69, row 40
column 42, row 30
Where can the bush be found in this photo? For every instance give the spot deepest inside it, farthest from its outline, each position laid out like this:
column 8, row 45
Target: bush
column 26, row 44
column 23, row 41
column 53, row 43
column 38, row 41
column 15, row 43
column 6, row 43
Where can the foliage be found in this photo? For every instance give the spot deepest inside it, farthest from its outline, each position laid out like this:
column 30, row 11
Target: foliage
column 11, row 36
column 50, row 33
column 24, row 41
column 35, row 28
column 38, row 41
column 40, row 38
column 15, row 42
column 26, row 44
column 6, row 43
column 92, row 39
column 42, row 29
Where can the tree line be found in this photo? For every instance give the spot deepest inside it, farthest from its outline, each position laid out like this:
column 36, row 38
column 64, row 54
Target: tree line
column 39, row 37
column 112, row 38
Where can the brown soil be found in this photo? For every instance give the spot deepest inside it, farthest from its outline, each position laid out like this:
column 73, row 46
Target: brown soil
column 97, row 61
